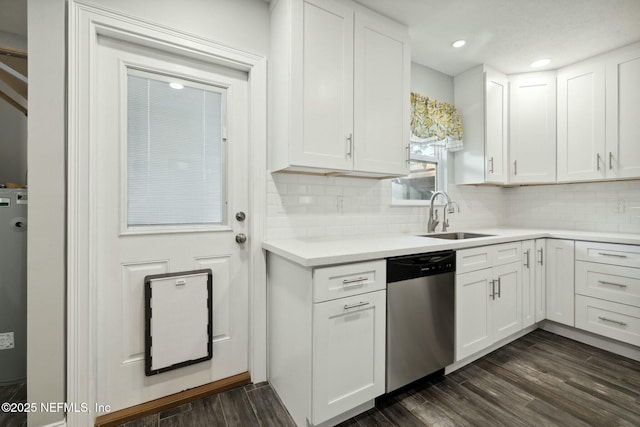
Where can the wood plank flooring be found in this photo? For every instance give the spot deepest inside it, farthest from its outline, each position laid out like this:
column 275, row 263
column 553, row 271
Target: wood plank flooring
column 15, row 393
column 541, row 379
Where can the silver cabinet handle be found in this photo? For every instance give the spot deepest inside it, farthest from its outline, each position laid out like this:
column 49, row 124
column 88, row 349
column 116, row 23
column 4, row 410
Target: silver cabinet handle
column 491, row 161
column 598, row 161
column 610, row 160
column 526, row 264
column 360, row 304
column 541, row 260
column 353, row 281
column 515, row 167
column 493, row 290
column 613, row 255
column 349, row 145
column 620, row 285
column 498, row 287
column 618, row 322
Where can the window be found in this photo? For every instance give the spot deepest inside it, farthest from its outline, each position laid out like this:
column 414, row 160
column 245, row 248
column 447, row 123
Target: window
column 427, row 174
column 175, row 152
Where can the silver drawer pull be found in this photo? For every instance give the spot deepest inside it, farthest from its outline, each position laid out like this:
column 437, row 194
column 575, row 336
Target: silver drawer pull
column 617, row 322
column 352, row 281
column 620, row 285
column 613, row 255
column 360, row 304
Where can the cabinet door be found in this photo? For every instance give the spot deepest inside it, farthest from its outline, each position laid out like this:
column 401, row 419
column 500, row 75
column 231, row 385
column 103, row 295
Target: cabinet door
column 560, row 280
column 322, row 86
column 473, row 312
column 532, row 129
column 623, row 110
column 581, row 109
column 528, row 283
column 507, row 302
column 495, row 126
column 348, row 353
column 382, row 76
column 540, row 277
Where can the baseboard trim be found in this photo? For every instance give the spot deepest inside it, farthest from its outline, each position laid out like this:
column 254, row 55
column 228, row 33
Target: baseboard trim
column 128, row 414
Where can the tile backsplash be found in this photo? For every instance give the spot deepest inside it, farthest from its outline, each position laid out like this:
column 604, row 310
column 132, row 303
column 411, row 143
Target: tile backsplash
column 307, row 206
column 599, row 206
column 310, row 206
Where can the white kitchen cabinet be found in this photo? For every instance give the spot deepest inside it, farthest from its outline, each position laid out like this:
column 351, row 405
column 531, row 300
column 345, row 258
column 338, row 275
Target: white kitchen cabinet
column 339, row 98
column 581, row 126
column 533, row 282
column 326, row 331
column 532, row 128
column 622, row 154
column 488, row 301
column 559, row 263
column 481, row 98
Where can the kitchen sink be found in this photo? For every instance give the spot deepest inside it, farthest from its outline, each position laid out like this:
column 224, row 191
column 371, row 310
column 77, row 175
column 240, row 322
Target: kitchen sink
column 456, row 236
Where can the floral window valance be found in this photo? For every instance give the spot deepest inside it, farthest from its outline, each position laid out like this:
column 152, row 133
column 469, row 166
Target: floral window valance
column 435, row 122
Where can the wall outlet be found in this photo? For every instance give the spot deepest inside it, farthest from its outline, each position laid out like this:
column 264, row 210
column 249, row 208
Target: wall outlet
column 340, row 204
column 6, row 341
column 620, row 206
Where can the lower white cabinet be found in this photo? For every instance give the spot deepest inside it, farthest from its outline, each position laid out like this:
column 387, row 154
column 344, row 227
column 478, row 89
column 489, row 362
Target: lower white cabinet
column 610, row 319
column 326, row 338
column 533, row 282
column 488, row 301
column 559, row 273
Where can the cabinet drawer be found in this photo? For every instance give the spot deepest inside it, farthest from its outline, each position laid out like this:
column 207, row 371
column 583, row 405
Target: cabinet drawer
column 487, row 256
column 613, row 320
column 608, row 282
column 608, row 253
column 348, row 279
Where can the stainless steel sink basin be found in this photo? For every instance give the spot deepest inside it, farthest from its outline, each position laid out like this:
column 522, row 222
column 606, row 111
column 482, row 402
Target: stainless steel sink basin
column 456, row 236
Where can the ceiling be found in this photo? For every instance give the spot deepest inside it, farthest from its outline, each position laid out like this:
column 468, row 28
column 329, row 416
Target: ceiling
column 506, row 34
column 510, row 34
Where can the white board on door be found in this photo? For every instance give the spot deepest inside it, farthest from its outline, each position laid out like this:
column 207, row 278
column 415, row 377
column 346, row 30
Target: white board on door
column 178, row 320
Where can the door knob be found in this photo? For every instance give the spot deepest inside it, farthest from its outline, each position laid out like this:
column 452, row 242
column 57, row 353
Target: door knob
column 241, row 238
column 241, row 216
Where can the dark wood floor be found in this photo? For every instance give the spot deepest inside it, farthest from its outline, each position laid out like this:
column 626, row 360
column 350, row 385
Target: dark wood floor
column 13, row 393
column 539, row 380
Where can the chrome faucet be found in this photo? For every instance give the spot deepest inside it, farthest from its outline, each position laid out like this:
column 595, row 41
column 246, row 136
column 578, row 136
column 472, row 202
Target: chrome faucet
column 433, row 217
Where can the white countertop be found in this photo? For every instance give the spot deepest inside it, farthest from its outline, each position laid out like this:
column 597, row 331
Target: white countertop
column 318, row 252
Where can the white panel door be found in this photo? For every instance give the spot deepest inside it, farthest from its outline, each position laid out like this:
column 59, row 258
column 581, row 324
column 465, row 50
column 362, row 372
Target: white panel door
column 145, row 211
column 322, row 137
column 581, row 128
column 348, row 353
column 382, row 77
column 560, row 280
column 623, row 111
column 474, row 312
column 495, row 126
column 532, row 129
column 507, row 305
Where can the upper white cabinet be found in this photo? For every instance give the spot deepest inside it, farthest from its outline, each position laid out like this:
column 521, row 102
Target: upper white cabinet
column 532, row 128
column 598, row 110
column 339, row 98
column 581, row 122
column 481, row 96
column 622, row 154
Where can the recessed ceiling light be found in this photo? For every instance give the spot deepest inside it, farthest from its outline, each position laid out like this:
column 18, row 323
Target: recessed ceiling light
column 540, row 63
column 459, row 43
column 176, row 85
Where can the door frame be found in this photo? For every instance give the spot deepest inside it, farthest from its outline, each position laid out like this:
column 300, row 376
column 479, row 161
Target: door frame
column 85, row 24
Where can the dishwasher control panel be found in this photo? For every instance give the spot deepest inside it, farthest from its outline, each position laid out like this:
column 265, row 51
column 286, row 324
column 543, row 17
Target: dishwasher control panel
column 412, row 266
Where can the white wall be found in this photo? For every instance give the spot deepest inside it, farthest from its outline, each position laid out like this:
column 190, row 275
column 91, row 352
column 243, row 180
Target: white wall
column 307, row 206
column 587, row 206
column 13, row 144
column 46, row 240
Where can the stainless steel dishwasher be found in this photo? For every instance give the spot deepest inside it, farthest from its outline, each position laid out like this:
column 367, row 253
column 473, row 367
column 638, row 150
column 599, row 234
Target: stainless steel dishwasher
column 420, row 316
